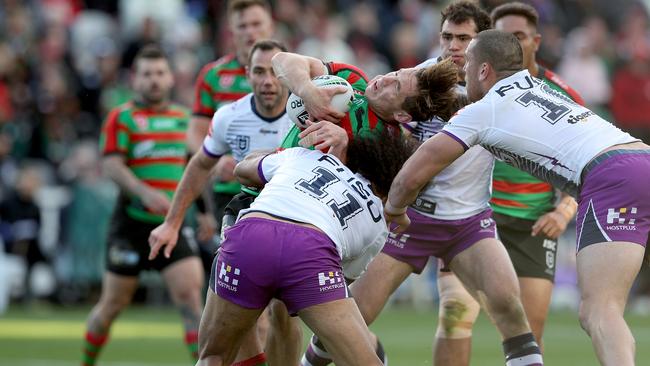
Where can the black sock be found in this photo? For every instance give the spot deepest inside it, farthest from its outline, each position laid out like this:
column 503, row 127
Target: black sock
column 522, row 350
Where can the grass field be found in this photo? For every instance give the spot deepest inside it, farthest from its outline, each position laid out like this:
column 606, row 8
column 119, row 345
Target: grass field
column 152, row 336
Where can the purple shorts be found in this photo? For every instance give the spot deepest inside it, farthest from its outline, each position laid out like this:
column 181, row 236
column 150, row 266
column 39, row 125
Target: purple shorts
column 444, row 239
column 261, row 259
column 614, row 201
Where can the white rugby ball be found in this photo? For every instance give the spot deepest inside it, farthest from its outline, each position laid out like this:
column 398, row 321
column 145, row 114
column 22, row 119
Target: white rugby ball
column 341, row 102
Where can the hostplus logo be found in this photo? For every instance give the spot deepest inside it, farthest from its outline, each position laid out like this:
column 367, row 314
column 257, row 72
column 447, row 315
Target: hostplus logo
column 330, row 281
column 228, row 277
column 619, row 219
column 398, row 240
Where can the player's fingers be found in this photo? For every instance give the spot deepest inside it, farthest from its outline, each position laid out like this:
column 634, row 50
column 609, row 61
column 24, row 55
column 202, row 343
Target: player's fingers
column 323, row 145
column 311, row 128
column 155, row 247
column 168, row 250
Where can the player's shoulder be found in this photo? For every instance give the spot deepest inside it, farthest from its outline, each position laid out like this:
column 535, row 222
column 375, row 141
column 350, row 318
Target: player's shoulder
column 121, row 111
column 213, row 68
column 236, row 109
column 339, row 68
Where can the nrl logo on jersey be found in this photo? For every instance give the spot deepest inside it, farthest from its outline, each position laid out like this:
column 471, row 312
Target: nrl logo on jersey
column 243, row 143
column 226, row 81
column 141, row 122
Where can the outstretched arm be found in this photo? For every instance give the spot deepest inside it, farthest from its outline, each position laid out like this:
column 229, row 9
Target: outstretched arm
column 296, row 71
column 192, row 184
column 429, row 159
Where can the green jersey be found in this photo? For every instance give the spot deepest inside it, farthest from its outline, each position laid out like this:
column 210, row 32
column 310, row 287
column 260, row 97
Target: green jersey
column 360, row 118
column 219, row 83
column 519, row 194
column 153, row 143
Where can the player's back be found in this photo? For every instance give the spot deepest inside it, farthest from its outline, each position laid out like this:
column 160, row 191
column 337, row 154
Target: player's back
column 315, row 188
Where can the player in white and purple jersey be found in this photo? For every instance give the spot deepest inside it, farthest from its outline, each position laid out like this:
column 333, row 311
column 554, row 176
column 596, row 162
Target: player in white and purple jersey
column 315, row 222
column 567, row 145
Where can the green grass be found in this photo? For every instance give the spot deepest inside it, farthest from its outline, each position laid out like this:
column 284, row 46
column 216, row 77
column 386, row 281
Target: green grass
column 153, row 336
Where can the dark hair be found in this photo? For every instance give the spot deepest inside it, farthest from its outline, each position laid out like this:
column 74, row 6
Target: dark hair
column 436, row 92
column 240, row 5
column 515, row 8
column 150, row 51
column 462, row 11
column 379, row 156
column 266, row 45
column 499, row 49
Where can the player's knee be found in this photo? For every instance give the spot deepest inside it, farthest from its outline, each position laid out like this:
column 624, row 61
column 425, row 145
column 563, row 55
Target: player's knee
column 592, row 313
column 458, row 312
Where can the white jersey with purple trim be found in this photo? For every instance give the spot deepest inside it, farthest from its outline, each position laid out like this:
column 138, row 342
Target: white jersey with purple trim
column 237, row 128
column 530, row 126
column 462, row 189
column 311, row 187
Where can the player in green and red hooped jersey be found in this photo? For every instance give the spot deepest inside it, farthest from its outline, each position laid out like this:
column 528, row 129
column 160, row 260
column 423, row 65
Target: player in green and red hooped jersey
column 528, row 220
column 144, row 149
column 222, row 82
column 387, row 101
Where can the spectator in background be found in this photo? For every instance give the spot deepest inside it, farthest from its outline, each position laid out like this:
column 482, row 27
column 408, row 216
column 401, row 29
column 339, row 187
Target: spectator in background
column 584, row 70
column 20, row 222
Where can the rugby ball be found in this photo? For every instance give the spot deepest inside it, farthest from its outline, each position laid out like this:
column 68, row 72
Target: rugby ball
column 341, row 102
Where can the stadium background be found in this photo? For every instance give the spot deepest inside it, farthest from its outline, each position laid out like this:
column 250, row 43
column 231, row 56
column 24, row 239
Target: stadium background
column 65, row 63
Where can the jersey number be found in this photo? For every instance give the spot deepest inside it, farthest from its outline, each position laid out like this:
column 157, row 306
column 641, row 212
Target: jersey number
column 316, row 187
column 552, row 110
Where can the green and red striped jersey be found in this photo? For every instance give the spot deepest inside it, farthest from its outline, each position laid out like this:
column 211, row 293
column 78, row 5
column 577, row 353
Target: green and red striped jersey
column 219, row 83
column 153, row 143
column 360, row 118
column 519, row 194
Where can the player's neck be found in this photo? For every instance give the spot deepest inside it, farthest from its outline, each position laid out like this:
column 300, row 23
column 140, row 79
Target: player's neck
column 156, row 107
column 534, row 69
column 268, row 114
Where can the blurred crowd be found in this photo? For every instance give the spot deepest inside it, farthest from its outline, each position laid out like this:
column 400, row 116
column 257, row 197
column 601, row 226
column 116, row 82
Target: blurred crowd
column 65, row 63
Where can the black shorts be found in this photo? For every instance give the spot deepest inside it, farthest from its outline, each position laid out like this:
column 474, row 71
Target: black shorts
column 221, row 201
column 128, row 247
column 532, row 256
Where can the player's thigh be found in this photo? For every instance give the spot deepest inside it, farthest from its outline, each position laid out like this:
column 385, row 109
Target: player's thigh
column 339, row 325
column 485, row 268
column 224, row 326
column 184, row 278
column 606, row 272
column 374, row 287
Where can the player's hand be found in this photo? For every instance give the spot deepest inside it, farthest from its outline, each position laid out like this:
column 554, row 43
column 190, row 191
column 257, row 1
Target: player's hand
column 225, row 168
column 318, row 104
column 397, row 217
column 552, row 225
column 165, row 235
column 155, row 201
column 207, row 226
column 324, row 135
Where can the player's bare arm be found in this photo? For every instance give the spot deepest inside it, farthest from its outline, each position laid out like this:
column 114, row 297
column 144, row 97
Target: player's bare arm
column 196, row 132
column 192, row 184
column 325, row 135
column 247, row 170
column 431, row 158
column 114, row 167
column 554, row 223
column 296, row 71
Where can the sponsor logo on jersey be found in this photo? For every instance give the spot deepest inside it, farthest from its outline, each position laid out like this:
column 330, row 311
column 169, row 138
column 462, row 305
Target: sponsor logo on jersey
column 264, row 131
column 228, row 277
column 330, row 281
column 141, row 122
column 163, row 123
column 619, row 219
column 226, row 81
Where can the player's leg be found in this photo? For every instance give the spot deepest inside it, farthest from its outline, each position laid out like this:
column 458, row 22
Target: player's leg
column 284, row 339
column 371, row 292
column 117, row 292
column 184, row 279
column 606, row 272
column 536, row 299
column 458, row 311
column 339, row 325
column 223, row 328
column 487, row 273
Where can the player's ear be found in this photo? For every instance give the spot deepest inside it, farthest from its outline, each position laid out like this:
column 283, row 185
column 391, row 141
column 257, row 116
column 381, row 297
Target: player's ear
column 484, row 71
column 402, row 116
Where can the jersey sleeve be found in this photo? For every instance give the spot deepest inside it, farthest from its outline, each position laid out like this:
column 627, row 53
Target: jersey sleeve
column 268, row 165
column 114, row 137
column 467, row 125
column 354, row 75
column 204, row 104
column 354, row 267
column 215, row 144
